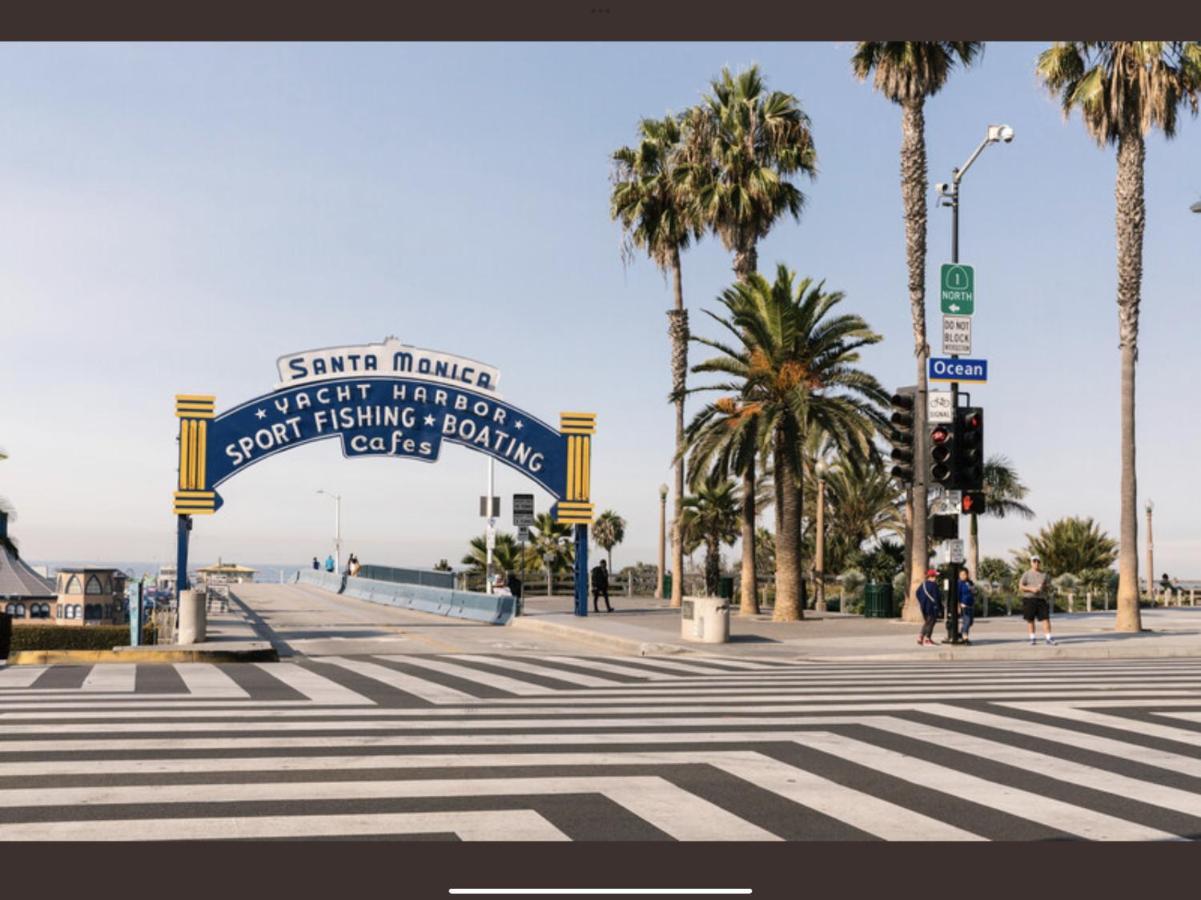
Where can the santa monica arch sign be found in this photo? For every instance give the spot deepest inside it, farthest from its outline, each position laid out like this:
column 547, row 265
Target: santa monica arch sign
column 386, row 399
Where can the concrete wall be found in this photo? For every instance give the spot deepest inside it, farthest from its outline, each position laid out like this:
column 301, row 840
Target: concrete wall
column 495, row 609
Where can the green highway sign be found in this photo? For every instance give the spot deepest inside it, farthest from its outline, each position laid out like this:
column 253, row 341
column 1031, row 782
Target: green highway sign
column 958, row 292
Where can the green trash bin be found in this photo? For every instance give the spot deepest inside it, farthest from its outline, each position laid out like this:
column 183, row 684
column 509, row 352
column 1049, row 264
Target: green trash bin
column 877, row 601
column 666, row 585
column 725, row 587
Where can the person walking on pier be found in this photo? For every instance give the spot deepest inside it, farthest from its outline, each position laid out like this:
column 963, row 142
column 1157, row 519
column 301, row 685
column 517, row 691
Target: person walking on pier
column 600, row 586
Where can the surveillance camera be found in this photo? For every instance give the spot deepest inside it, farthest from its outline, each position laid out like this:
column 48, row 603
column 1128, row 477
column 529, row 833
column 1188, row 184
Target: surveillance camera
column 941, row 187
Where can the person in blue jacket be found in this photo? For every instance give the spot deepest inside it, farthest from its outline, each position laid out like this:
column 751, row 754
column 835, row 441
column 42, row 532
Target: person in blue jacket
column 929, row 598
column 967, row 604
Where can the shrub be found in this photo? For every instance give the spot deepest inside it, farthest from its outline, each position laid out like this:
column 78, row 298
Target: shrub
column 67, row 637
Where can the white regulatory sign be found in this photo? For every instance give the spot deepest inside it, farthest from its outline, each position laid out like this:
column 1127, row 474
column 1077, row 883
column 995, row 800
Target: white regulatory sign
column 951, row 551
column 948, row 504
column 939, row 407
column 956, row 335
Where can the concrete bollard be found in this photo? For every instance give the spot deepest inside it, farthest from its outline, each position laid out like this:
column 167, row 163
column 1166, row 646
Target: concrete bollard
column 1088, row 601
column 1071, row 601
column 193, row 622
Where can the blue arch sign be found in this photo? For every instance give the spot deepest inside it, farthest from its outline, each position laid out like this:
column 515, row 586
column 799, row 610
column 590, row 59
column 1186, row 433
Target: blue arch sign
column 386, row 399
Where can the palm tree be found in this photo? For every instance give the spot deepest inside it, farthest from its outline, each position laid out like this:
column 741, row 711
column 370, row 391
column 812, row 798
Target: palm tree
column 1003, row 493
column 1069, row 546
column 864, row 503
column 506, row 554
column 608, row 531
column 907, row 73
column 742, row 142
column 797, row 366
column 651, row 200
column 711, row 518
column 1123, row 89
column 553, row 545
column 723, row 440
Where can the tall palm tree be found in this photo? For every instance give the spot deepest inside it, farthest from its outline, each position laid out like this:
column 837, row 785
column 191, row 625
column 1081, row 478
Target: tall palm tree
column 742, row 143
column 1124, row 89
column 553, row 545
column 651, row 200
column 799, row 367
column 1003, row 494
column 711, row 518
column 608, row 530
column 907, row 73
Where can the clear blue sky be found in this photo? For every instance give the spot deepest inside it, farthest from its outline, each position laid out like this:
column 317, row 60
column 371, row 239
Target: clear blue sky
column 174, row 217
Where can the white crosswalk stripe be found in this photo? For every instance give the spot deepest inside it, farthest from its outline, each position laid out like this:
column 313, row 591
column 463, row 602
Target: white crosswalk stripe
column 594, row 748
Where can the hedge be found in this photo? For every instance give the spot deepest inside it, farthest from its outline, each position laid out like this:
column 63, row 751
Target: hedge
column 68, row 637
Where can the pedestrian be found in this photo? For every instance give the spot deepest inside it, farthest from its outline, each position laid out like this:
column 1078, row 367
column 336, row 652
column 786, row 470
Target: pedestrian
column 1034, row 602
column 929, row 598
column 967, row 605
column 316, row 565
column 329, row 563
column 600, row 585
column 1165, row 584
column 354, row 565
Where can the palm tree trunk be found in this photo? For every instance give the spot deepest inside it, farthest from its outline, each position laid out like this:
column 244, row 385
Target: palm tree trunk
column 913, row 193
column 788, row 608
column 749, row 603
column 678, row 330
column 712, row 567
column 746, row 262
column 1131, row 219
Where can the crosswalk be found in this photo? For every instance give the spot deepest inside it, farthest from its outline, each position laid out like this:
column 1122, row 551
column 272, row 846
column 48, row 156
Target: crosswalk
column 517, row 747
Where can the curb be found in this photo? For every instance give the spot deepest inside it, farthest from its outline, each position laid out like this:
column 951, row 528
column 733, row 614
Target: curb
column 607, row 641
column 138, row 655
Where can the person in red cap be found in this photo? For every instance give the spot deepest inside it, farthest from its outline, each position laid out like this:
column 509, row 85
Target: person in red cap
column 929, row 598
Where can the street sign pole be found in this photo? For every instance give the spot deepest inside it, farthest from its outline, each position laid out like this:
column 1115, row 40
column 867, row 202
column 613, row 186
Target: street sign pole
column 953, row 636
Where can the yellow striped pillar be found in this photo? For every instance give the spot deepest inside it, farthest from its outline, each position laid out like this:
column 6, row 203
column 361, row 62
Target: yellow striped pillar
column 575, row 507
column 192, row 496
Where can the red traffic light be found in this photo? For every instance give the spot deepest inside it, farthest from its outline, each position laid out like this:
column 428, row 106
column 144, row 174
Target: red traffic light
column 940, row 435
column 973, row 503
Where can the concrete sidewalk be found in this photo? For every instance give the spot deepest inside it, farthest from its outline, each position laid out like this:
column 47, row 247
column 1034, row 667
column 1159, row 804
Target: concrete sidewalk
column 644, row 627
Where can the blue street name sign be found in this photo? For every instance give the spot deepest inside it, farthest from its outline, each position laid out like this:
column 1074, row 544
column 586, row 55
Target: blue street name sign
column 958, row 369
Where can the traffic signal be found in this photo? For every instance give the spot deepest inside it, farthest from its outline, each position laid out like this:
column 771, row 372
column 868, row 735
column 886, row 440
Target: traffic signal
column 942, row 455
column 969, row 429
column 901, row 434
column 973, row 503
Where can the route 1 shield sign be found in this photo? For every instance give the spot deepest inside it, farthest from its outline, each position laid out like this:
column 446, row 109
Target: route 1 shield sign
column 958, row 294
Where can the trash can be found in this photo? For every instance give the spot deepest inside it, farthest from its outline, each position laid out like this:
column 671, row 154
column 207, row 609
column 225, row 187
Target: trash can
column 705, row 619
column 6, row 634
column 725, row 587
column 666, row 585
column 877, row 601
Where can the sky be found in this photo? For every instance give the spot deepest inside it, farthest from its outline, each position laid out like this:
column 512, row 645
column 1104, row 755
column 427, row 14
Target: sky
column 173, row 218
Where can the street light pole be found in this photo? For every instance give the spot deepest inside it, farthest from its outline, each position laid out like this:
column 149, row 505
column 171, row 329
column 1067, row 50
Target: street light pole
column 337, row 498
column 1150, row 556
column 995, row 133
column 819, row 586
column 662, row 540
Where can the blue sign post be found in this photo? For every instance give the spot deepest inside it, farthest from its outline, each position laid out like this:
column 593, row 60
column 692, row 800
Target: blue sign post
column 405, row 403
column 953, row 369
column 133, row 596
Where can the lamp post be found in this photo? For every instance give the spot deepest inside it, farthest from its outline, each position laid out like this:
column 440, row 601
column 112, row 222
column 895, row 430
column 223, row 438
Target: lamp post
column 950, row 195
column 337, row 498
column 1150, row 555
column 662, row 540
column 819, row 577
